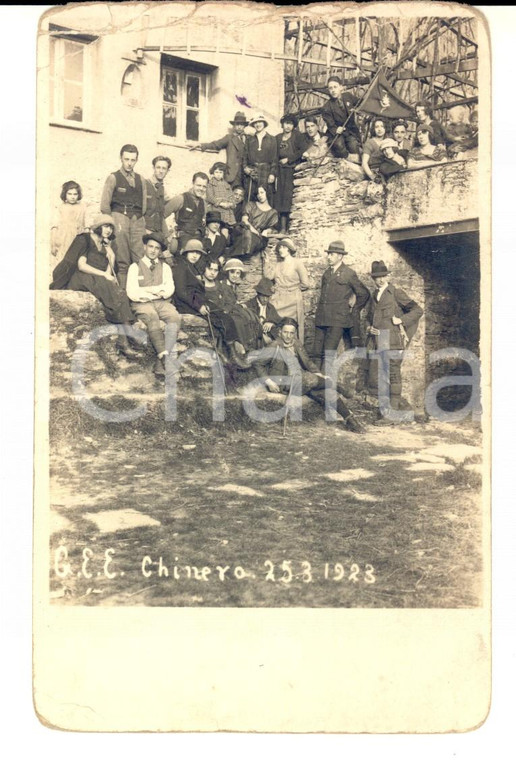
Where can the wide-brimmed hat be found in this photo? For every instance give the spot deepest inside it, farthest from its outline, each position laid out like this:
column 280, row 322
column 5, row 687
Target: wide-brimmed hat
column 239, row 118
column 101, row 219
column 264, row 287
column 218, row 165
column 260, row 117
column 286, row 241
column 193, row 245
column 337, row 246
column 378, row 269
column 155, row 236
column 214, row 216
column 388, row 143
column 233, row 264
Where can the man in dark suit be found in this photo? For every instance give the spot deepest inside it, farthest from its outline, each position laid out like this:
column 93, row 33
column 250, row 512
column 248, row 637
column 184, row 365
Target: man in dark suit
column 341, row 299
column 260, row 160
column 392, row 318
column 307, row 379
column 338, row 114
column 234, row 145
column 264, row 310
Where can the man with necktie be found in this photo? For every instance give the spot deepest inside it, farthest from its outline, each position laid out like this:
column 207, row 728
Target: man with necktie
column 150, row 286
column 157, row 198
column 341, row 299
column 125, row 199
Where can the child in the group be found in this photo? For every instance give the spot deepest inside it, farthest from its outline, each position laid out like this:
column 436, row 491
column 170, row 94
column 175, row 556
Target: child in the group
column 69, row 219
column 458, row 131
column 219, row 196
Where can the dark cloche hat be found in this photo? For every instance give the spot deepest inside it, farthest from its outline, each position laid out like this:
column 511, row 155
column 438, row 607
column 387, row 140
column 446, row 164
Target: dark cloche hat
column 378, row 269
column 239, row 118
column 337, row 246
column 264, row 287
column 155, row 236
column 214, row 216
column 193, row 245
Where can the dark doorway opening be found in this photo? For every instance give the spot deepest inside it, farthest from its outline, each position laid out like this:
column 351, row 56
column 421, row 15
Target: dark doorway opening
column 450, row 268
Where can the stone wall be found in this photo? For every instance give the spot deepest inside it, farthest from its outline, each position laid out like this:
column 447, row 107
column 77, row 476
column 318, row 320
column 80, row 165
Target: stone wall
column 336, row 201
column 443, row 193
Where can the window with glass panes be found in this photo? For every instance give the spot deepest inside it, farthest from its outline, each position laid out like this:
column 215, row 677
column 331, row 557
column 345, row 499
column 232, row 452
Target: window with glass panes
column 183, row 100
column 68, row 59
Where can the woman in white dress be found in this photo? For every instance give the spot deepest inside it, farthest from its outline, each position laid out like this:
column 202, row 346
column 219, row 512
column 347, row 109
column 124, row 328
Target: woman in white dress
column 291, row 279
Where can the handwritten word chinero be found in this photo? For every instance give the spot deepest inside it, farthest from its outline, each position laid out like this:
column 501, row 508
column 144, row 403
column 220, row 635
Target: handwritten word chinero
column 103, row 564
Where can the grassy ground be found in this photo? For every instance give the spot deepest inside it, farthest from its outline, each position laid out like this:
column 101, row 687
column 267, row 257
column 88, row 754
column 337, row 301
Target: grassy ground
column 285, row 513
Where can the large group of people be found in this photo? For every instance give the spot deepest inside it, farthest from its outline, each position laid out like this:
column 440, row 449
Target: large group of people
column 140, row 271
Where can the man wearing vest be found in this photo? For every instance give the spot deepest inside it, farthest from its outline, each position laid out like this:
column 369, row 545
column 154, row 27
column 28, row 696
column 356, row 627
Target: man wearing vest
column 150, row 286
column 190, row 210
column 125, row 199
column 157, row 200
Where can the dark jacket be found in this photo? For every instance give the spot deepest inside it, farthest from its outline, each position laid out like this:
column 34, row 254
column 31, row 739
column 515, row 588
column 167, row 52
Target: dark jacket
column 155, row 212
column 276, row 366
column 234, row 147
column 336, row 289
column 267, row 155
column 271, row 315
column 215, row 249
column 394, row 302
column 189, row 290
column 336, row 112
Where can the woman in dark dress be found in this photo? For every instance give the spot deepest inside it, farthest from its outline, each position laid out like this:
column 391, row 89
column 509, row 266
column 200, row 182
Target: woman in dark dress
column 189, row 295
column 290, row 148
column 239, row 327
column 89, row 265
column 259, row 220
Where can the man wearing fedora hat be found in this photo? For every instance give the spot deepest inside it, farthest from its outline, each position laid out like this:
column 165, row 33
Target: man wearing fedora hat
column 392, row 318
column 150, row 286
column 341, row 299
column 260, row 159
column 264, row 310
column 234, row 145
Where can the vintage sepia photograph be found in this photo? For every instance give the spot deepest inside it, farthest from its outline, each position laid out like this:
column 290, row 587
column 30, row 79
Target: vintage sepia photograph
column 263, row 269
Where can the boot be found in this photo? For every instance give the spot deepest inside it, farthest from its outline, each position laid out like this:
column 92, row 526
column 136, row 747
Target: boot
column 123, row 347
column 159, row 367
column 353, row 425
column 283, row 223
column 237, row 356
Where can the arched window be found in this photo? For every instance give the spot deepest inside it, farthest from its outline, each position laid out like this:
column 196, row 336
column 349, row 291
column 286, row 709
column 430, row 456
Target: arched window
column 132, row 86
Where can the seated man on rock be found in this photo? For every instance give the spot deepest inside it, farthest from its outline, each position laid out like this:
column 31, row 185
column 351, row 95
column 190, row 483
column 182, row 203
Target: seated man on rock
column 312, row 382
column 265, row 311
column 150, row 286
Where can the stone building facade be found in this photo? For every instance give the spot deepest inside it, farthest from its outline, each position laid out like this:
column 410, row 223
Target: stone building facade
column 111, row 74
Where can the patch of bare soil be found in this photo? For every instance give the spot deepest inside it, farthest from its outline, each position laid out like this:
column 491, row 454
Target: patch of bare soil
column 222, row 517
